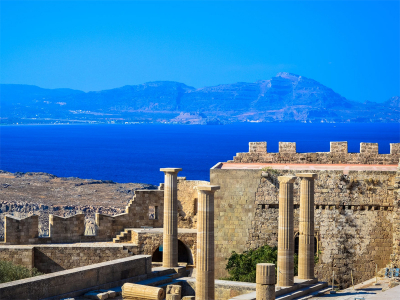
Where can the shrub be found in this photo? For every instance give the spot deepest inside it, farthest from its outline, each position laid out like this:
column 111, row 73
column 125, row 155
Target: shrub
column 242, row 267
column 11, row 272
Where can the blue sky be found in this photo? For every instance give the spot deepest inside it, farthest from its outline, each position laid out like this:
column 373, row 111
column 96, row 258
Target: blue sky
column 350, row 46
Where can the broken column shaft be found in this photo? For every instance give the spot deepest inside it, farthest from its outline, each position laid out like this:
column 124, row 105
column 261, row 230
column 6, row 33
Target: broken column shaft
column 306, row 226
column 170, row 236
column 265, row 279
column 285, row 232
column 205, row 286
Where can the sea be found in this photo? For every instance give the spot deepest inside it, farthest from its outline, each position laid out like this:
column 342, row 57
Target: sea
column 135, row 153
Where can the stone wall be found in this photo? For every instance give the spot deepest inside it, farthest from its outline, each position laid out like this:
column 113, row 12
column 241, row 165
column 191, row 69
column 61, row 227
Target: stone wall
column 70, row 229
column 234, row 209
column 136, row 215
column 353, row 217
column 19, row 255
column 64, row 282
column 21, row 231
column 187, row 202
column 395, row 257
column 149, row 242
column 338, row 154
column 49, row 259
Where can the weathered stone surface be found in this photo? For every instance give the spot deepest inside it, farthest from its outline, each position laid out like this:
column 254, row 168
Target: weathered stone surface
column 338, row 154
column 170, row 236
column 96, row 296
column 205, row 276
column 285, row 232
column 306, row 226
column 64, row 282
column 265, row 279
column 354, row 220
column 174, row 291
column 137, row 291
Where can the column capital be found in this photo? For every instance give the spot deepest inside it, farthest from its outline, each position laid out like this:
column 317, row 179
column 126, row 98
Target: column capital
column 207, row 188
column 171, row 170
column 286, row 179
column 307, row 175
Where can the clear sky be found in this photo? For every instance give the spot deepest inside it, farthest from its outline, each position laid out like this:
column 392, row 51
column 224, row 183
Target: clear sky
column 350, row 46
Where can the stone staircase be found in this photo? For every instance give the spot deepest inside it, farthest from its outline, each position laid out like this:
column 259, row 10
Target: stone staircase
column 306, row 292
column 124, row 236
column 300, row 291
column 164, row 276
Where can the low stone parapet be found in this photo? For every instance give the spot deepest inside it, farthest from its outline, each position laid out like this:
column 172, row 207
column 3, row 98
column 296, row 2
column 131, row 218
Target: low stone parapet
column 111, row 273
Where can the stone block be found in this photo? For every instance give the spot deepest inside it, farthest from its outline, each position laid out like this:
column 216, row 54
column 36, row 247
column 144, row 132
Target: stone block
column 287, row 147
column 258, row 147
column 95, row 295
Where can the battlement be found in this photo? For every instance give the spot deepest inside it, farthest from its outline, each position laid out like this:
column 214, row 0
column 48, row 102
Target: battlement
column 145, row 209
column 369, row 154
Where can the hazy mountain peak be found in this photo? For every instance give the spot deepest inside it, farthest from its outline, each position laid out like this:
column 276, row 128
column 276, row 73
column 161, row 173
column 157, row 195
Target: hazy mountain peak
column 289, row 76
column 285, row 97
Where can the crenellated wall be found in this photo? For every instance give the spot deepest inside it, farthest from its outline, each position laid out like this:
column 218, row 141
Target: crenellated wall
column 369, row 154
column 137, row 214
column 70, row 229
column 21, row 231
column 357, row 220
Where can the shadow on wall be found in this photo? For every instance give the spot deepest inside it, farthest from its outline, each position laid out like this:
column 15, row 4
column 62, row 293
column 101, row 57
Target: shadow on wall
column 184, row 254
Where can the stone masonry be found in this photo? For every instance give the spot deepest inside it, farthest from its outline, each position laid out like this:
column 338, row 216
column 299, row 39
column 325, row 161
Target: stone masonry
column 356, row 214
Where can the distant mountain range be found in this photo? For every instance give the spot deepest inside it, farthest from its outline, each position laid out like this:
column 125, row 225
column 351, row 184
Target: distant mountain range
column 284, row 98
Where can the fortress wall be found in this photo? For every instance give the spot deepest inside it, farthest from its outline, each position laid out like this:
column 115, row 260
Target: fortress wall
column 395, row 257
column 71, row 283
column 136, row 215
column 234, row 210
column 64, row 230
column 49, row 259
column 369, row 154
column 21, row 231
column 354, row 217
column 72, row 228
column 22, row 256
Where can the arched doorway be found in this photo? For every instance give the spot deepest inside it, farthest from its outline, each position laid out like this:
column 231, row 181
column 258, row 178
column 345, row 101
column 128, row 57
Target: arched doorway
column 184, row 254
column 296, row 245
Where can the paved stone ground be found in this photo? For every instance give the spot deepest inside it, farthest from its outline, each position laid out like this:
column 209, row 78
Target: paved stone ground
column 365, row 290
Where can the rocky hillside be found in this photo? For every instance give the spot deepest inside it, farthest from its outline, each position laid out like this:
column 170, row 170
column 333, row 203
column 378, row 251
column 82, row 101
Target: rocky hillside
column 284, row 98
column 25, row 194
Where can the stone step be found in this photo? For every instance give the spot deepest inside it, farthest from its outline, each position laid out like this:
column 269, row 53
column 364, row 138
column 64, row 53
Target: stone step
column 314, row 294
column 156, row 281
column 302, row 292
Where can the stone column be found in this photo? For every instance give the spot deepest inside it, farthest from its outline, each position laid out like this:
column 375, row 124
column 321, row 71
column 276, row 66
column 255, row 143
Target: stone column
column 285, row 232
column 265, row 279
column 170, row 236
column 306, row 226
column 205, row 286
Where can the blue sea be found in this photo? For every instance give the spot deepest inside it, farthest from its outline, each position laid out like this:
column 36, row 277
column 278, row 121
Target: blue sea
column 135, row 153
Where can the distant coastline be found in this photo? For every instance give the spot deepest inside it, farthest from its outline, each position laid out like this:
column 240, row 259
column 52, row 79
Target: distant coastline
column 284, row 98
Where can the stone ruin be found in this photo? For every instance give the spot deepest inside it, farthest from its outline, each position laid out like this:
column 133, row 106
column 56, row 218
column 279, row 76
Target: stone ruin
column 343, row 207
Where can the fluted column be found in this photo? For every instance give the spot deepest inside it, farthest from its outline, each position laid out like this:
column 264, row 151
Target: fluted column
column 205, row 287
column 306, row 226
column 170, row 236
column 265, row 279
column 285, row 232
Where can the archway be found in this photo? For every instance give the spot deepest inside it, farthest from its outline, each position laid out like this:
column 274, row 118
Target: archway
column 296, row 245
column 184, row 254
